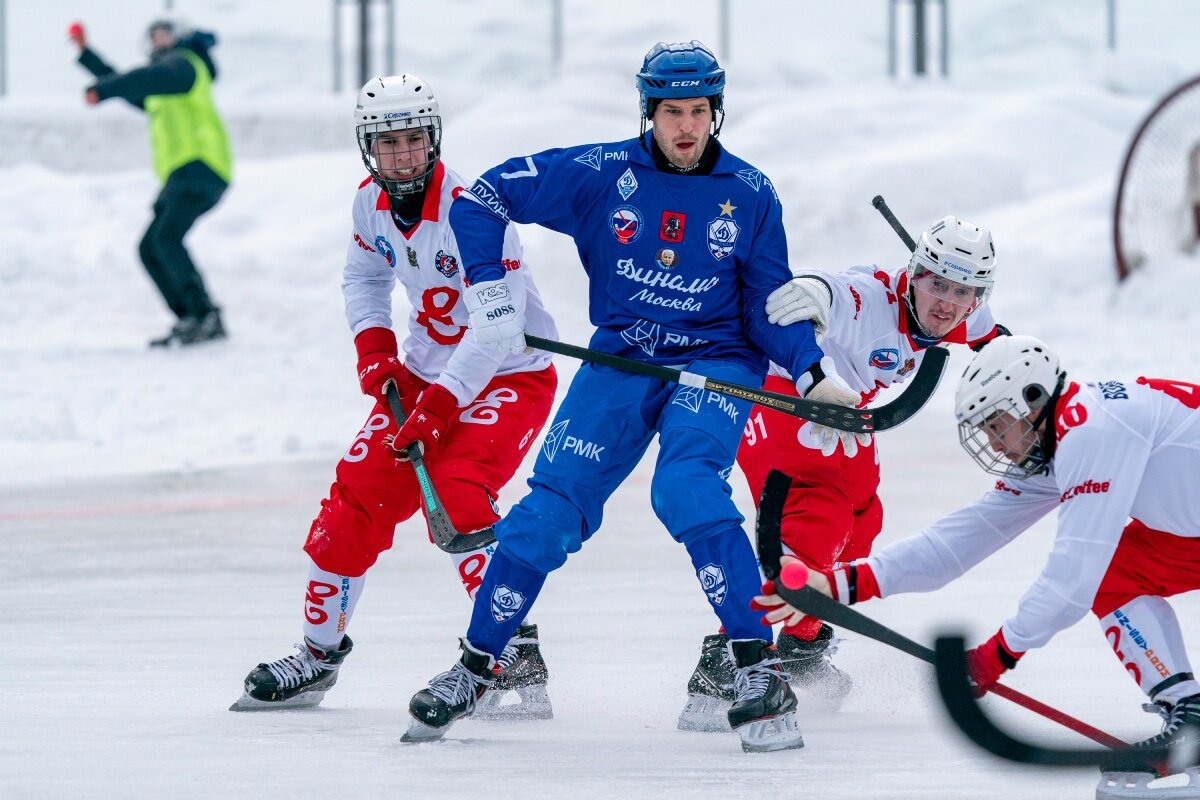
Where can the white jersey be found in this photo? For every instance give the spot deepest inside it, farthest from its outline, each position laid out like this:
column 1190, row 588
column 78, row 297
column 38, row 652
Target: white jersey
column 1125, row 449
column 439, row 346
column 867, row 332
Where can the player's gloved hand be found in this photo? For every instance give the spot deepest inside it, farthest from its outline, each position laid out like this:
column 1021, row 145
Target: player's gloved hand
column 777, row 609
column 989, row 661
column 427, row 422
column 822, row 383
column 76, row 34
column 497, row 322
column 379, row 364
column 801, row 299
column 847, row 583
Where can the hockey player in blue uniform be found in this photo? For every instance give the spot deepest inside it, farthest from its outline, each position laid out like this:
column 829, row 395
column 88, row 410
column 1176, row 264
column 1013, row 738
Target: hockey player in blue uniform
column 682, row 242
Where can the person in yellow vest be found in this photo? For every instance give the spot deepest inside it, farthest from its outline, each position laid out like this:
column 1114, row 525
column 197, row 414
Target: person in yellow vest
column 191, row 157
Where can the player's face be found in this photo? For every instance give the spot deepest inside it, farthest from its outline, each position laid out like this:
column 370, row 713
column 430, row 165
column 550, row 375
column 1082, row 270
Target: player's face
column 1013, row 438
column 401, row 155
column 681, row 128
column 940, row 304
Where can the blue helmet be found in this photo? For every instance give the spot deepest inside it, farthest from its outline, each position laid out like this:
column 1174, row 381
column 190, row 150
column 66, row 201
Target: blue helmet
column 681, row 69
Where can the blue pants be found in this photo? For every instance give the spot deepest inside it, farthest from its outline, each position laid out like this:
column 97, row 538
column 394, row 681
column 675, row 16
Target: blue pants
column 599, row 435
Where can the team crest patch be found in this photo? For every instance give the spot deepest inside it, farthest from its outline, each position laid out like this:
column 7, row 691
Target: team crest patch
column 712, row 579
column 885, row 358
column 412, row 257
column 446, row 264
column 722, row 236
column 627, row 184
column 385, row 247
column 506, row 603
column 666, row 258
column 626, row 224
column 671, row 228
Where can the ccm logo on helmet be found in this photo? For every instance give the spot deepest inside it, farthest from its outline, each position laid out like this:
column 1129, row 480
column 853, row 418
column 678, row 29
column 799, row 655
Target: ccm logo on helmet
column 685, row 83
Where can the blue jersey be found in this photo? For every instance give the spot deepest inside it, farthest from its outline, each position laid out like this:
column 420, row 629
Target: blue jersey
column 679, row 266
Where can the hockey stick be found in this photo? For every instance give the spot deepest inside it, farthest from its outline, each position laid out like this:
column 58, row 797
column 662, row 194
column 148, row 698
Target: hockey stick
column 813, row 603
column 882, row 207
column 444, row 534
column 862, row 420
column 954, row 685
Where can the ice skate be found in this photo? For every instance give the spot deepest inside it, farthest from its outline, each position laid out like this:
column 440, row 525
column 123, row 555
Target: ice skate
column 1183, row 769
column 295, row 681
column 449, row 696
column 521, row 671
column 193, row 330
column 811, row 667
column 710, row 689
column 764, row 708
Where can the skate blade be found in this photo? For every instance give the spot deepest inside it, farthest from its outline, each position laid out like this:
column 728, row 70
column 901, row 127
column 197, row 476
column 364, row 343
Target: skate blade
column 1137, row 786
column 420, row 732
column 533, row 703
column 306, row 700
column 705, row 714
column 771, row 734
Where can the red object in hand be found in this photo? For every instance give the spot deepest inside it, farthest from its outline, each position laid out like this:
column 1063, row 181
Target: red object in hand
column 427, row 422
column 794, row 575
column 989, row 661
column 75, row 34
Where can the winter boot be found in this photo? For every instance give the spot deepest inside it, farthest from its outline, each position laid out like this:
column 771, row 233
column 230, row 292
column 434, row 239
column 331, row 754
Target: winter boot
column 193, row 330
column 1116, row 785
column 764, row 709
column 520, row 669
column 449, row 696
column 710, row 689
column 811, row 667
column 295, row 681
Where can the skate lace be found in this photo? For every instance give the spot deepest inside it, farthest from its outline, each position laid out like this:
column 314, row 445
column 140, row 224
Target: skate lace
column 752, row 682
column 510, row 654
column 458, row 685
column 292, row 670
column 1174, row 718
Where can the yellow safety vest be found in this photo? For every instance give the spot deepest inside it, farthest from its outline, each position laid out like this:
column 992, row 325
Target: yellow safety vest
column 185, row 127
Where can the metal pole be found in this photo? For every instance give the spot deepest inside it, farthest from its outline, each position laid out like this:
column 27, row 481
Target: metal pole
column 891, row 27
column 556, row 36
column 918, row 37
column 364, row 41
column 725, row 35
column 3, row 52
column 391, row 37
column 945, row 36
column 1112, row 24
column 337, row 46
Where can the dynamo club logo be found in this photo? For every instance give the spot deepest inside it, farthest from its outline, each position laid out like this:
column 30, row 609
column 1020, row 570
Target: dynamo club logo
column 885, row 358
column 446, row 264
column 385, row 247
column 625, row 223
column 712, row 580
column 505, row 603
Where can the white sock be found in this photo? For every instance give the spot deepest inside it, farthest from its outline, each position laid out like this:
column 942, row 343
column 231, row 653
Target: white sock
column 1145, row 635
column 472, row 566
column 329, row 602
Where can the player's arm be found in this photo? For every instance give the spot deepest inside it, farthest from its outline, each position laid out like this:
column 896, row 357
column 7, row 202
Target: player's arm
column 172, row 74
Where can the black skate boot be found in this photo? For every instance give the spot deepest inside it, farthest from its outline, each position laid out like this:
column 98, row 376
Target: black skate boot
column 710, row 689
column 449, row 696
column 764, row 709
column 811, row 667
column 193, row 330
column 295, row 681
column 1116, row 785
column 520, row 669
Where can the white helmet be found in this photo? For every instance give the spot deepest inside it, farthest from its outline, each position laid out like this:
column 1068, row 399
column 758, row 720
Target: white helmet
column 1013, row 376
column 958, row 251
column 396, row 103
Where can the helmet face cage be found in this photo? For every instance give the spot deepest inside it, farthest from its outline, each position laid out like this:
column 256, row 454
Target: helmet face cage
column 681, row 70
column 394, row 144
column 1003, row 420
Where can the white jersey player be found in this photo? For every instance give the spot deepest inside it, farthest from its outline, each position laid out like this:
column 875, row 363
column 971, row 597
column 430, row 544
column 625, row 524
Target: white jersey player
column 874, row 326
column 474, row 411
column 1118, row 460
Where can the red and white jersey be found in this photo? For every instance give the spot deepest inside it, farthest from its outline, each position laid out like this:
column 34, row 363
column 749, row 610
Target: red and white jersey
column 439, row 346
column 1125, row 449
column 867, row 332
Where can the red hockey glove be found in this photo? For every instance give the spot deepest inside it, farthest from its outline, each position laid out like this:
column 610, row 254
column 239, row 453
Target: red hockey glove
column 379, row 364
column 989, row 661
column 75, row 34
column 848, row 584
column 427, row 422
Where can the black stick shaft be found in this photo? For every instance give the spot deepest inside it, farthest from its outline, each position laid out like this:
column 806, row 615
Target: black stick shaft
column 882, row 207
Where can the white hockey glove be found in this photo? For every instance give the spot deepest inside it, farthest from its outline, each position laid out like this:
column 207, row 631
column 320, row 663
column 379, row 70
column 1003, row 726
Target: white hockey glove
column 497, row 322
column 823, row 384
column 801, row 299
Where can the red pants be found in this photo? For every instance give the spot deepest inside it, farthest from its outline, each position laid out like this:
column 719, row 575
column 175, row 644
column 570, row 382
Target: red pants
column 833, row 512
column 483, row 446
column 1148, row 562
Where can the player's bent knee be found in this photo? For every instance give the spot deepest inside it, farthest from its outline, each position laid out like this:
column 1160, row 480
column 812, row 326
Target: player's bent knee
column 542, row 530
column 344, row 539
column 692, row 499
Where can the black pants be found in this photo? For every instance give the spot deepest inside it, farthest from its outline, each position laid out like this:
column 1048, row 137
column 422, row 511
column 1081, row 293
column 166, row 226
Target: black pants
column 190, row 191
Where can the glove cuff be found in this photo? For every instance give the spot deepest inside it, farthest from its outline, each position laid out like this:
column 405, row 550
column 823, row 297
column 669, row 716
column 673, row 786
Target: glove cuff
column 854, row 583
column 376, row 340
column 1008, row 656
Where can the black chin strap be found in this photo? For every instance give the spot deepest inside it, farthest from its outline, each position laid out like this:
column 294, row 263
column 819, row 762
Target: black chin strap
column 1049, row 437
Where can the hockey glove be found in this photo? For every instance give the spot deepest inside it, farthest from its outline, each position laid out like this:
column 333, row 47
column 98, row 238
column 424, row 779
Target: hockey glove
column 427, row 422
column 989, row 661
column 822, row 383
column 497, row 322
column 379, row 364
column 801, row 299
column 76, row 34
column 847, row 583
